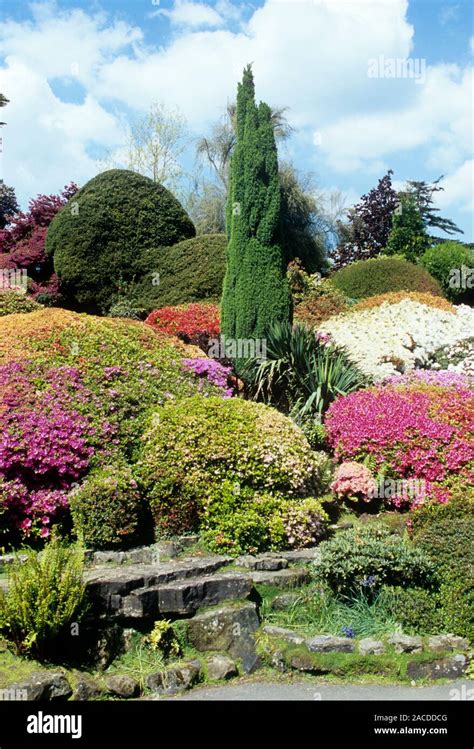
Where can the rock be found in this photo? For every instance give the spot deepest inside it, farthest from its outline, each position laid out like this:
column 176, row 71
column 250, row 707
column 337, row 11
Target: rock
column 107, row 588
column 406, row 644
column 303, row 661
column 330, row 644
column 444, row 643
column 227, row 628
column 301, row 555
column 187, row 541
column 221, row 667
column 290, row 578
column 86, row 689
column 174, row 680
column 283, row 634
column 268, row 563
column 451, row 667
column 188, row 596
column 369, row 646
column 122, row 686
column 45, row 685
column 107, row 643
column 185, row 596
column 284, row 601
column 128, row 637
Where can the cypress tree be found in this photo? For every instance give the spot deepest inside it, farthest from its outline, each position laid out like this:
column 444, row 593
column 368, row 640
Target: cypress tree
column 408, row 235
column 256, row 290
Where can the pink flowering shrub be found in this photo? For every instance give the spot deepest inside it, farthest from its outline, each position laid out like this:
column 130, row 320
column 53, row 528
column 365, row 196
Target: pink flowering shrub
column 423, row 432
column 213, row 371
column 354, row 481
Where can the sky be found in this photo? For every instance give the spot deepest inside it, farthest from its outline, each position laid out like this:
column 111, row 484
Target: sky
column 370, row 85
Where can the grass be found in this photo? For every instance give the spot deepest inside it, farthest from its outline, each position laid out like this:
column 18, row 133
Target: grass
column 318, row 611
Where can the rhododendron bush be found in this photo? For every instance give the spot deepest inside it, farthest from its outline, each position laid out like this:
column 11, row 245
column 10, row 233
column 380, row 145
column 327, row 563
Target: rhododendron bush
column 415, row 431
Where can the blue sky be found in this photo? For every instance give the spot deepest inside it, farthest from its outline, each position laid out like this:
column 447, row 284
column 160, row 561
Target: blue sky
column 72, row 69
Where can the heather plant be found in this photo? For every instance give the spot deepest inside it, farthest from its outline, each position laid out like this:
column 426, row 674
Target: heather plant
column 45, row 594
column 422, row 432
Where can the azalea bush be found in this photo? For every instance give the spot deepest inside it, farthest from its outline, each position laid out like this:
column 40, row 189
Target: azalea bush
column 194, row 445
column 193, row 323
column 419, row 431
column 319, row 303
column 213, row 371
column 392, row 338
column 74, row 395
column 394, row 297
column 354, row 481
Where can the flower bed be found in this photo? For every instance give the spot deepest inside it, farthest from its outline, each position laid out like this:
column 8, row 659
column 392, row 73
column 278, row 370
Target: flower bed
column 393, row 338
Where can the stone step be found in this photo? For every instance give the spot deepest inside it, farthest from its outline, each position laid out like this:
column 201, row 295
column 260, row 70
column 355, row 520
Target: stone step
column 186, row 596
column 293, row 577
column 107, row 587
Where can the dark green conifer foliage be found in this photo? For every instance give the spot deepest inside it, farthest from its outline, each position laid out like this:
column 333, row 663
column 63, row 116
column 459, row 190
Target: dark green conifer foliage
column 256, row 291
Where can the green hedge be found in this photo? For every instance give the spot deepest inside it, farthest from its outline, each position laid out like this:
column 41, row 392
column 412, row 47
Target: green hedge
column 445, row 262
column 190, row 271
column 367, row 278
column 110, row 234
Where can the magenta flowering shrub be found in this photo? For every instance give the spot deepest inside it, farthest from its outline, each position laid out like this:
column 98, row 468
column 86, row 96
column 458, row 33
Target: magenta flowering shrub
column 213, row 371
column 354, row 481
column 46, row 443
column 422, row 432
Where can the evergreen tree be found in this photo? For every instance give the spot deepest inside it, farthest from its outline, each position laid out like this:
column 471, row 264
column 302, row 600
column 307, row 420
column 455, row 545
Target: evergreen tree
column 256, row 290
column 423, row 193
column 408, row 235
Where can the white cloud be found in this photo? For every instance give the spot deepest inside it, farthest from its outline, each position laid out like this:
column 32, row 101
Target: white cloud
column 458, row 188
column 192, row 15
column 309, row 56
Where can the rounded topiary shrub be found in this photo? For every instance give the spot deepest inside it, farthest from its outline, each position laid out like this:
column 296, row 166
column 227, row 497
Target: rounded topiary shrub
column 446, row 262
column 109, row 236
column 14, row 302
column 196, row 449
column 383, row 274
column 106, row 509
column 190, row 271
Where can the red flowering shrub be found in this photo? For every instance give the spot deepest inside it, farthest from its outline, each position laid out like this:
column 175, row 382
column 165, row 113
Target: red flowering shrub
column 193, row 323
column 423, row 432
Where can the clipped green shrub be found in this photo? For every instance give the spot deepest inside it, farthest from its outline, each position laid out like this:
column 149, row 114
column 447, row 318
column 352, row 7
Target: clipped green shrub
column 190, row 271
column 446, row 531
column 110, row 234
column 417, row 610
column 368, row 558
column 106, row 509
column 45, row 595
column 445, row 263
column 380, row 275
column 193, row 446
column 14, row 302
column 457, row 601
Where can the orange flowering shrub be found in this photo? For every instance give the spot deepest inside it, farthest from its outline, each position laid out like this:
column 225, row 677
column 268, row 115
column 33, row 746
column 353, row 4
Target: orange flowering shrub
column 394, row 297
